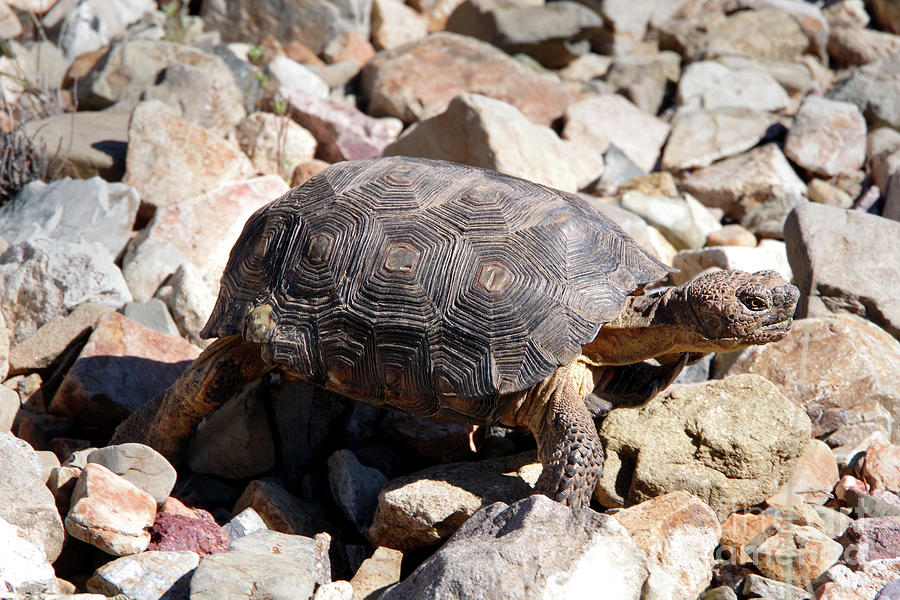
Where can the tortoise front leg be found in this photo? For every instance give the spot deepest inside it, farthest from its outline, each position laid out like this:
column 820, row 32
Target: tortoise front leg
column 167, row 422
column 568, row 445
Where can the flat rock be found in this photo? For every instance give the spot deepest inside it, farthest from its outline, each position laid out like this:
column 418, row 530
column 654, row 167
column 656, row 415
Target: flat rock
column 769, row 254
column 685, row 222
column 755, row 586
column 676, row 520
column 533, row 548
column 341, row 131
column 757, row 188
column 425, row 508
column 825, row 246
column 122, row 366
column 717, row 440
column 355, row 487
column 153, row 314
column 828, row 137
column 173, row 532
column 72, row 210
column 792, row 553
column 802, row 366
column 141, row 465
column 171, row 160
column 377, row 573
column 146, row 576
column 275, row 144
column 702, row 137
column 42, row 279
column 483, row 132
column 710, row 84
column 457, row 65
column 90, row 142
column 611, row 119
column 25, row 502
column 110, row 513
column 24, row 567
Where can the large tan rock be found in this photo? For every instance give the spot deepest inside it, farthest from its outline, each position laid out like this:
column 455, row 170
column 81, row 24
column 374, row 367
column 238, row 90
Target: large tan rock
column 275, row 144
column 88, row 142
column 729, row 443
column 455, row 64
column 828, row 137
column 793, row 554
column 702, row 137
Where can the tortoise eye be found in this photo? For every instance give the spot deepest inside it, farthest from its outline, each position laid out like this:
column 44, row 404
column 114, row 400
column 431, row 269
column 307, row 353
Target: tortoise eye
column 754, row 303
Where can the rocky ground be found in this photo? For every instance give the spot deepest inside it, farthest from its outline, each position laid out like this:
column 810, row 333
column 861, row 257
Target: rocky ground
column 742, row 134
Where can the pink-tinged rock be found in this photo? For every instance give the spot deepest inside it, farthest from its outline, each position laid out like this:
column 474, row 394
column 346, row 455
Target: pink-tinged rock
column 348, row 45
column 676, row 520
column 172, row 532
column 122, row 366
column 611, row 119
column 342, row 132
column 170, row 160
column 881, row 469
column 737, row 531
column 849, row 482
column 871, row 539
column 274, row 143
column 793, row 554
column 200, row 232
column 828, row 137
column 110, row 512
column 814, row 475
column 394, row 83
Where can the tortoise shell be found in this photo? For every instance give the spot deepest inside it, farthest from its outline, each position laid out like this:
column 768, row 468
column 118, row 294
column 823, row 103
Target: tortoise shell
column 409, row 281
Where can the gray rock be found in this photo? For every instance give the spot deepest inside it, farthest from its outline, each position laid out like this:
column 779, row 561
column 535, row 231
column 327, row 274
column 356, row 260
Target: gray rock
column 727, row 442
column 281, row 510
column 153, row 314
column 484, row 132
column 24, row 567
column 645, row 79
column 710, row 84
column 42, row 279
column 684, row 221
column 355, row 487
column 769, row 254
column 9, row 406
column 190, row 301
column 617, row 169
column 146, row 576
column 141, row 465
column 722, row 592
column 291, row 75
column 826, row 248
column 533, row 548
column 72, row 210
column 828, row 137
column 890, row 592
column 93, row 24
column 25, row 502
column 755, row 586
column 244, row 523
column 275, row 144
column 874, row 89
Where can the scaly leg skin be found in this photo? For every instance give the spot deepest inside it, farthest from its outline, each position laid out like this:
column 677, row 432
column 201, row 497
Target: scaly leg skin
column 568, row 447
column 167, row 422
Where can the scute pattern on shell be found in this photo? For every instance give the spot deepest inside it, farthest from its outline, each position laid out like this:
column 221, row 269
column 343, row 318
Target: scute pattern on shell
column 411, row 280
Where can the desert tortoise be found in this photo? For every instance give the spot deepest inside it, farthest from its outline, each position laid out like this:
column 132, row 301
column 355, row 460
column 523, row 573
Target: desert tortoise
column 460, row 293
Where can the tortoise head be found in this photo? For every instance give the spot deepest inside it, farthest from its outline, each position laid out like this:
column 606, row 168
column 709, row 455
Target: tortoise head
column 736, row 308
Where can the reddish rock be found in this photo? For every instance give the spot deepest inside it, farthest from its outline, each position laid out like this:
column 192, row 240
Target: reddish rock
column 110, row 513
column 871, row 539
column 122, row 366
column 793, row 554
column 737, row 531
column 304, row 171
column 281, row 510
column 881, row 469
column 814, row 475
column 348, row 45
column 180, row 532
column 342, row 132
column 456, row 64
column 61, row 484
column 301, row 53
column 848, row 482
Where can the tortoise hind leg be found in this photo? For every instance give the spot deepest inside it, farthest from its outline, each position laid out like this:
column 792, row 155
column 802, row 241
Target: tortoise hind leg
column 167, row 422
column 568, row 447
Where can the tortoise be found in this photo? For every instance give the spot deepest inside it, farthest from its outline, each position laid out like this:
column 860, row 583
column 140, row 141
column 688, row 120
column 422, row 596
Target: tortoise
column 459, row 293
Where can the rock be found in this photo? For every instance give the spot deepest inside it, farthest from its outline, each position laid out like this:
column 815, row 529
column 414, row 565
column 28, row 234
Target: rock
column 482, row 132
column 171, row 532
column 141, row 465
column 313, row 23
column 846, row 13
column 122, row 366
column 702, row 137
column 376, row 573
column 189, row 298
column 395, row 24
column 305, row 171
column 90, row 143
column 153, row 314
column 705, row 439
column 823, row 192
column 868, row 540
column 769, row 254
column 815, row 474
column 737, row 531
column 611, row 119
column 93, row 24
column 586, row 67
column 533, row 548
column 10, row 26
column 828, row 137
column 429, row 440
column 823, row 242
column 171, row 160
column 146, row 575
column 709, row 84
column 293, row 76
column 280, row 510
column 851, row 46
column 9, row 406
column 199, row 232
column 757, row 188
column 110, row 512
column 886, row 13
column 264, row 564
column 553, row 34
column 835, row 521
column 890, row 591
column 25, row 502
column 244, row 523
column 676, row 520
column 4, row 348
column 348, row 46
column 866, row 579
column 40, row 349
column 732, row 234
column 425, row 508
column 873, row 89
column 336, row 590
column 275, row 144
column 131, row 68
column 645, row 79
column 754, row 586
column 458, row 64
column 881, row 467
column 24, row 567
column 354, row 487
column 766, row 34
column 792, row 553
column 684, row 221
column 341, row 131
